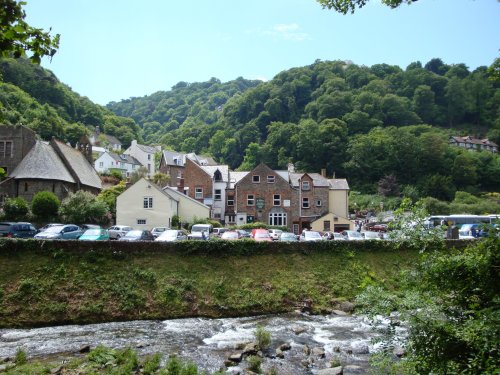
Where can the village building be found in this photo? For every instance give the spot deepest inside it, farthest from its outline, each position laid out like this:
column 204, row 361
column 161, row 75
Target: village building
column 109, row 162
column 172, row 163
column 145, row 205
column 474, row 144
column 33, row 165
column 104, row 142
column 145, row 155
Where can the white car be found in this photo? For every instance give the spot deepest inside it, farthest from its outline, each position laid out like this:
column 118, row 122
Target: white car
column 368, row 235
column 156, row 231
column 352, row 235
column 275, row 234
column 118, row 231
column 172, row 235
column 311, row 235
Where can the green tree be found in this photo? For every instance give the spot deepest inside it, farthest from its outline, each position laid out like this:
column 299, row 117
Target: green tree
column 83, row 207
column 161, row 179
column 16, row 209
column 139, row 173
column 45, row 206
column 349, row 6
column 109, row 195
column 17, row 37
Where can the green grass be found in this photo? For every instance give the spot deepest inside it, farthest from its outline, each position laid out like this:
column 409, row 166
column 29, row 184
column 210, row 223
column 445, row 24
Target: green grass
column 47, row 288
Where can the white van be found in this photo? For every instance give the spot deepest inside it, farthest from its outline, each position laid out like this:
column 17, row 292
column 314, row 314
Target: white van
column 201, row 232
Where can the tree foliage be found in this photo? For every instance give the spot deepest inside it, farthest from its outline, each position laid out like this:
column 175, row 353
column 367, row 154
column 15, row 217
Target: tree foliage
column 45, row 205
column 17, row 37
column 83, row 207
column 350, row 6
column 16, row 209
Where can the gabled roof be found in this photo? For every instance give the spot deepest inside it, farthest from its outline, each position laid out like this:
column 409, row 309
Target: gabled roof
column 318, row 179
column 211, row 169
column 235, row 177
column 123, row 158
column 112, row 140
column 176, row 195
column 475, row 141
column 201, row 159
column 42, row 162
column 338, row 184
column 170, row 156
column 148, row 149
column 84, row 171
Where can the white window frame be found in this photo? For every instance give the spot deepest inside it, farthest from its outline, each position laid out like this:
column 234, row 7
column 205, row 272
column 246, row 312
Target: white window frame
column 147, row 203
column 271, row 179
column 306, row 185
column 256, row 179
column 230, row 200
column 198, row 193
column 305, row 202
column 276, row 199
column 250, row 200
column 319, row 203
column 278, row 219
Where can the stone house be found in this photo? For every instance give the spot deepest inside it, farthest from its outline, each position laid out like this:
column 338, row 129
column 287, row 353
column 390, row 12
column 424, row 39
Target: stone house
column 474, row 144
column 173, row 163
column 110, row 161
column 33, row 165
column 145, row 205
column 337, row 218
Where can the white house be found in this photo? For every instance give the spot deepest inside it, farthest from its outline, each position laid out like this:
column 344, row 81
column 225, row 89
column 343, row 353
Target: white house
column 105, row 141
column 144, row 206
column 337, row 218
column 109, row 161
column 144, row 154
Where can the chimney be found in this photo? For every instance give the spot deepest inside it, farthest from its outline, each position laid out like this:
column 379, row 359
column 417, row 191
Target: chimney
column 97, row 130
column 323, row 172
column 180, row 185
column 291, row 168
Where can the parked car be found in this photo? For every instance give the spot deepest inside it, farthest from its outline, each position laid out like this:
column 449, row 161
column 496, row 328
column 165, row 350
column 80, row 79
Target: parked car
column 117, row 231
column 275, row 234
column 352, row 235
column 65, row 232
column 243, row 233
column 172, row 235
column 95, row 234
column 17, row 230
column 370, row 235
column 230, row 235
column 156, row 231
column 90, row 226
column 310, row 235
column 201, row 232
column 288, row 237
column 261, row 235
column 137, row 235
column 218, row 232
column 379, row 228
column 47, row 226
column 333, row 236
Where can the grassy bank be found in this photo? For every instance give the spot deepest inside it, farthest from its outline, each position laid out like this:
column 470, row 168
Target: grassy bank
column 48, row 283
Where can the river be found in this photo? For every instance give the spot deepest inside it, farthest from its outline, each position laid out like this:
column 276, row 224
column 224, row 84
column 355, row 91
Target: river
column 209, row 342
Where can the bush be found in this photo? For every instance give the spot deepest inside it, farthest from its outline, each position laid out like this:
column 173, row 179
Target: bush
column 16, row 209
column 263, row 337
column 45, row 206
column 83, row 207
column 21, row 357
column 254, row 363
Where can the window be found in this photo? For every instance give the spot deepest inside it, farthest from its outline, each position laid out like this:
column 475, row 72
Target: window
column 198, row 193
column 217, row 175
column 318, row 203
column 6, row 149
column 270, row 179
column 149, row 168
column 149, row 156
column 276, row 200
column 256, row 179
column 101, row 164
column 230, row 200
column 305, row 185
column 231, row 219
column 148, row 202
column 25, row 186
column 141, row 221
column 218, row 194
column 305, row 202
column 250, row 200
column 326, row 225
column 277, row 218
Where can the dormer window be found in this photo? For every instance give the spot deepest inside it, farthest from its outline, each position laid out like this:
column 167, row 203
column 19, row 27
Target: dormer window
column 217, row 175
column 305, row 185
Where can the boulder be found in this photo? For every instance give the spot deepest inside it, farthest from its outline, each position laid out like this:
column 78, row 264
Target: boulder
column 331, row 371
column 307, row 350
column 399, row 352
column 347, row 306
column 299, row 329
column 318, row 352
column 84, row 349
column 250, row 348
column 279, row 353
column 56, row 370
column 340, row 313
column 286, row 346
column 6, row 366
column 353, row 369
column 236, row 357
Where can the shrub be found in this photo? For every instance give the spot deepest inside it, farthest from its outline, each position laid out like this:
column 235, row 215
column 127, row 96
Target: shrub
column 16, row 209
column 254, row 363
column 21, row 357
column 45, row 205
column 263, row 337
column 83, row 207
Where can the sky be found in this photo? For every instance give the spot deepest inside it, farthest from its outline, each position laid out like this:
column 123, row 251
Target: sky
column 112, row 50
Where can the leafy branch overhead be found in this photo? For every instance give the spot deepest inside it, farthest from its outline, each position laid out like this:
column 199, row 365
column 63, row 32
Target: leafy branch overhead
column 17, row 37
column 349, row 6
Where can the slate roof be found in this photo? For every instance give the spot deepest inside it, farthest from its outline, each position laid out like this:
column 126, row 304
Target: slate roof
column 475, row 141
column 318, row 179
column 80, row 165
column 211, row 169
column 113, row 140
column 235, row 177
column 201, row 159
column 42, row 162
column 148, row 149
column 124, row 158
column 338, row 184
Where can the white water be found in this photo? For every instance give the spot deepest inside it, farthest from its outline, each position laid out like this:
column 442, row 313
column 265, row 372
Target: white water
column 208, row 342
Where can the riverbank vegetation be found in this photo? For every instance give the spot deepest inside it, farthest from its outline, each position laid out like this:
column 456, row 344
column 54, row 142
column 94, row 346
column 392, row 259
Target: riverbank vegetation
column 59, row 282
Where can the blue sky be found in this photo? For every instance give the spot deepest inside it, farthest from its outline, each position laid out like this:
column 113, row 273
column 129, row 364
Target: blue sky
column 116, row 49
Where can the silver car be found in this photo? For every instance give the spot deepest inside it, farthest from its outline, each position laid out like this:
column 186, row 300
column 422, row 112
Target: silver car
column 118, row 231
column 172, row 235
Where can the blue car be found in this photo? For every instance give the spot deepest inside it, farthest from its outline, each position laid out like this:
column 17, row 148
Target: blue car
column 64, row 232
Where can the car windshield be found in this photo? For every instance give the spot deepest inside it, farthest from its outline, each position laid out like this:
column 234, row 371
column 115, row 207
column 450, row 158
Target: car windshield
column 169, row 234
column 354, row 234
column 54, row 229
column 92, row 232
column 261, row 235
column 312, row 234
column 230, row 235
